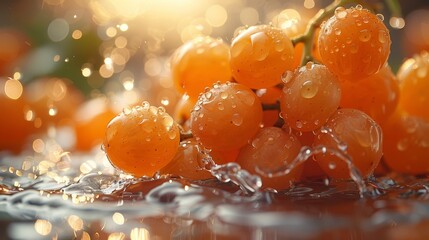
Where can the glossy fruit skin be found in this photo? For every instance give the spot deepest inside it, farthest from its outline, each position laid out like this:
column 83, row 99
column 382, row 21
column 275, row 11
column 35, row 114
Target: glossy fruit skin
column 363, row 138
column 186, row 162
column 200, row 63
column 376, row 95
column 413, row 76
column 226, row 116
column 260, row 55
column 310, row 97
column 142, row 140
column 354, row 43
column 271, row 149
column 406, row 143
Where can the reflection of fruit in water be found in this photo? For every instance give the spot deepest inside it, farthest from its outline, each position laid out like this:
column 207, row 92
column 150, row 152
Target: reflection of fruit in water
column 15, row 120
column 54, row 101
column 91, row 120
column 13, row 45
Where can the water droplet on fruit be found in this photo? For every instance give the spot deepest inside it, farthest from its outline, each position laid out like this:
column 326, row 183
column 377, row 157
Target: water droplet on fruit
column 208, row 95
column 380, row 16
column 220, row 106
column 340, row 12
column 355, row 14
column 422, row 72
column 309, row 89
column 167, row 121
column 145, row 105
column 402, row 145
column 172, row 134
column 286, row 77
column 224, row 95
column 332, row 165
column 337, row 31
column 364, row 35
column 309, row 65
column 237, row 120
column 358, row 23
column 359, row 7
column 298, row 124
column 126, row 110
column 146, row 125
column 279, row 45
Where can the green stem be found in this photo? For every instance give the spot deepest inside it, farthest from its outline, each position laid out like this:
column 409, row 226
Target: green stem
column 394, row 7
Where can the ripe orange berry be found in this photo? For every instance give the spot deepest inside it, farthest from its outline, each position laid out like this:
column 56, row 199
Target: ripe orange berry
column 260, row 55
column 376, row 95
column 90, row 121
column 269, row 150
column 413, row 76
column 406, row 143
column 310, row 95
column 355, row 133
column 142, row 140
column 186, row 162
column 200, row 63
column 354, row 43
column 226, row 116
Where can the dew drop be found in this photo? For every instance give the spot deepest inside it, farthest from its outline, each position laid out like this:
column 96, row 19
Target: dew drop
column 126, row 110
column 332, row 165
column 237, row 120
column 220, row 106
column 224, row 95
column 340, row 12
column 309, row 65
column 337, row 31
column 208, row 95
column 364, row 35
column 172, row 134
column 402, row 145
column 286, row 77
column 380, row 16
column 359, row 7
column 167, row 121
column 279, row 45
column 298, row 124
column 309, row 89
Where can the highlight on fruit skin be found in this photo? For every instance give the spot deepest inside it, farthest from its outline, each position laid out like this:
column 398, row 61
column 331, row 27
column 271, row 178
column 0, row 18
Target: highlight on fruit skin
column 406, row 143
column 141, row 140
column 259, row 56
column 269, row 150
column 357, row 135
column 226, row 116
column 413, row 76
column 310, row 96
column 354, row 43
column 200, row 63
